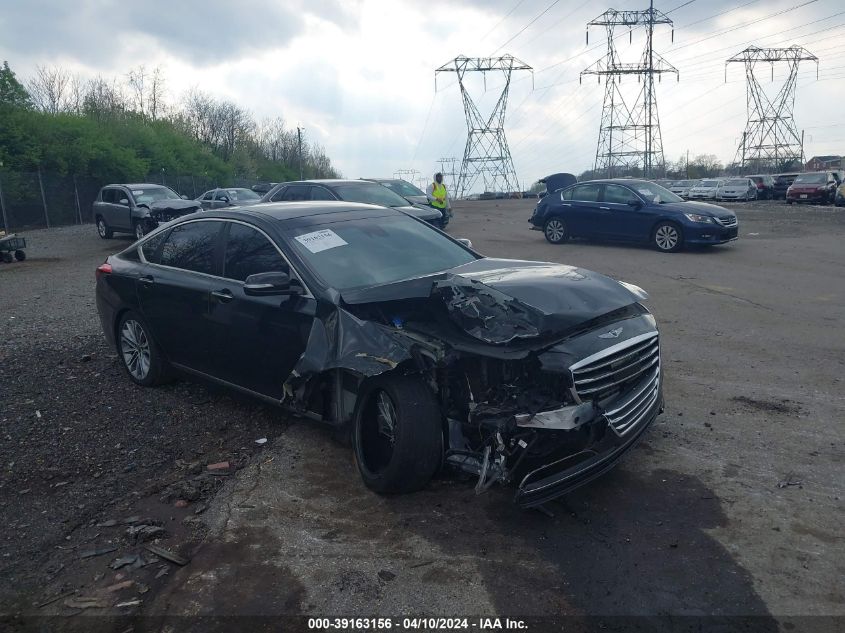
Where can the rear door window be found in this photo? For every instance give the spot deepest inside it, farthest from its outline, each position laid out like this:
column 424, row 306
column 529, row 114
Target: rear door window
column 151, row 245
column 190, row 246
column 321, row 193
column 586, row 193
column 249, row 252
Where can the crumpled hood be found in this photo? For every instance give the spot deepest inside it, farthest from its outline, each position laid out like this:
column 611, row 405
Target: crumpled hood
column 500, row 300
column 172, row 208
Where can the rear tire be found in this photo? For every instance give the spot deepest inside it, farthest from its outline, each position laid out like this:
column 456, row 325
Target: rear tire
column 667, row 237
column 397, row 434
column 555, row 230
column 20, row 255
column 138, row 353
column 103, row 229
column 6, row 257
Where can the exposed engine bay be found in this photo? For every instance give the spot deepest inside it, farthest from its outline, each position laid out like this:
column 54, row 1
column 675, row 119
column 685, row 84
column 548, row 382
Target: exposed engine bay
column 501, row 369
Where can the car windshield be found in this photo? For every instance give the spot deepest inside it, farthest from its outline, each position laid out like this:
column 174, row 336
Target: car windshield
column 402, row 187
column 737, row 183
column 145, row 195
column 373, row 251
column 369, row 193
column 654, row 192
column 811, row 179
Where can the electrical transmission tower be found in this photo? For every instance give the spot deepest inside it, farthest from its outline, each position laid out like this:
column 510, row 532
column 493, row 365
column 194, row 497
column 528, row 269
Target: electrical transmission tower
column 771, row 139
column 629, row 135
column 486, row 154
column 450, row 176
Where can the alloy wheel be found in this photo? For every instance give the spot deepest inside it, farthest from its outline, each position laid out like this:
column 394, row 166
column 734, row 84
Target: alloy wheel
column 135, row 349
column 555, row 230
column 101, row 227
column 666, row 237
column 139, row 230
column 386, row 417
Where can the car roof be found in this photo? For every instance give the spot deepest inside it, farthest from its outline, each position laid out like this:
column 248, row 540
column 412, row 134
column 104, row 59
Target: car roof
column 131, row 185
column 326, row 181
column 614, row 181
column 308, row 208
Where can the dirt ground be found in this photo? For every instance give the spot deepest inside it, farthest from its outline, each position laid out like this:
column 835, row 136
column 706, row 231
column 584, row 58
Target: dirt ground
column 732, row 506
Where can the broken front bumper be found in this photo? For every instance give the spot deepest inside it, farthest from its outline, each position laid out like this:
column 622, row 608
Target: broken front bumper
column 565, row 475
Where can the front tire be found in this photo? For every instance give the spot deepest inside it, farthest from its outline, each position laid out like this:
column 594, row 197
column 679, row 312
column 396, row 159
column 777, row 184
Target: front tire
column 555, row 230
column 20, row 255
column 138, row 353
column 667, row 237
column 103, row 229
column 397, row 434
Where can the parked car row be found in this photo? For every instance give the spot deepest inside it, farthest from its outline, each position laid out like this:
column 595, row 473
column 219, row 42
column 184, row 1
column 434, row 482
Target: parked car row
column 820, row 187
column 139, row 208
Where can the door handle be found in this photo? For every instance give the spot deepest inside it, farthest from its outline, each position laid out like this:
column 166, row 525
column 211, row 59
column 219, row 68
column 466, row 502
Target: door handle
column 223, row 296
column 147, row 280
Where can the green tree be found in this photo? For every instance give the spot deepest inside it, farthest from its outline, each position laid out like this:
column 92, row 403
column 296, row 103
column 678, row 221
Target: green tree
column 12, row 92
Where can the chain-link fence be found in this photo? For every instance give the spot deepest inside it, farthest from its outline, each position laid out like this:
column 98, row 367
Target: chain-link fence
column 41, row 199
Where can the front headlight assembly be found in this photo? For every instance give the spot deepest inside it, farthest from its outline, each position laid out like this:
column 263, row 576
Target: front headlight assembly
column 695, row 217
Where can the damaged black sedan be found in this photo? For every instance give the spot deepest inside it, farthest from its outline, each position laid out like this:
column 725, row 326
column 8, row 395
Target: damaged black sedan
column 528, row 373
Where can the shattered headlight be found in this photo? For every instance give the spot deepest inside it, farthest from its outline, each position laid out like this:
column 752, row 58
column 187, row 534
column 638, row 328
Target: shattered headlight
column 638, row 292
column 695, row 217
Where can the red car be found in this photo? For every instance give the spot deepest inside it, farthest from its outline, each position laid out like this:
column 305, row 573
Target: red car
column 819, row 186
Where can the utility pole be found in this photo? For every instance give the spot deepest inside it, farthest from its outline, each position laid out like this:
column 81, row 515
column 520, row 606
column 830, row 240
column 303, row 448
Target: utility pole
column 450, row 173
column 771, row 139
column 299, row 131
column 629, row 137
column 486, row 154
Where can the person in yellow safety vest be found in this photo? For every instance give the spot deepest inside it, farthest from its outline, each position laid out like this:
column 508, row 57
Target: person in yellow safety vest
column 438, row 197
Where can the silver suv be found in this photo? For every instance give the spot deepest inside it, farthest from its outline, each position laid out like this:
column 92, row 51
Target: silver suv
column 138, row 208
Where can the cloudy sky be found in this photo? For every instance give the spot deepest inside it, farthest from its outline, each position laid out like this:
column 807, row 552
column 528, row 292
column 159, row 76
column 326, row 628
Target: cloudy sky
column 359, row 74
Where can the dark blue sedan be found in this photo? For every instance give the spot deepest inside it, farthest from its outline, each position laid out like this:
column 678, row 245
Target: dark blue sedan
column 632, row 211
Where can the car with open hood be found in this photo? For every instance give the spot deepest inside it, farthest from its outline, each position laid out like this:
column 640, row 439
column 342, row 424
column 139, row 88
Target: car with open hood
column 138, row 208
column 363, row 191
column 630, row 210
column 426, row 353
column 815, row 186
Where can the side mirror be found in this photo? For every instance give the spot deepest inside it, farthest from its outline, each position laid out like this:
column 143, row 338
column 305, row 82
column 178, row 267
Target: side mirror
column 184, row 197
column 464, row 241
column 124, row 202
column 224, row 199
column 270, row 284
column 635, row 203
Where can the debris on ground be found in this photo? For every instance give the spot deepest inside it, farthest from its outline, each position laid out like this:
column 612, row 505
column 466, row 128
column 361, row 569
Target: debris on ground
column 97, row 552
column 166, row 554
column 789, row 481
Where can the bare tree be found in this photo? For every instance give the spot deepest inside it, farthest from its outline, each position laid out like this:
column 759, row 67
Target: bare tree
column 137, row 79
column 156, row 93
column 49, row 88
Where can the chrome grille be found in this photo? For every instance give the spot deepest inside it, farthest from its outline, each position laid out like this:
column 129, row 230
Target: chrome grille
column 623, row 417
column 727, row 221
column 624, row 377
column 601, row 374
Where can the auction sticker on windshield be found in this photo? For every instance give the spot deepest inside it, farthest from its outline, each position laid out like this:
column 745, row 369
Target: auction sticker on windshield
column 321, row 240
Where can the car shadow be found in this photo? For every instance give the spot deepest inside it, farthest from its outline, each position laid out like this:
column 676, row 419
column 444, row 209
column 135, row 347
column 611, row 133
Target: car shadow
column 626, row 545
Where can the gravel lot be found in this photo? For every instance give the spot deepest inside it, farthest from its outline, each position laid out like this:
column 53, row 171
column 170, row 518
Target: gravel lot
column 732, row 505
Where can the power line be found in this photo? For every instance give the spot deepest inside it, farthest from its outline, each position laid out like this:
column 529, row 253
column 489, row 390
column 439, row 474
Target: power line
column 522, row 30
column 505, row 17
